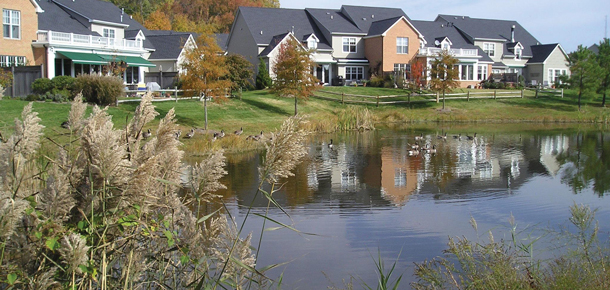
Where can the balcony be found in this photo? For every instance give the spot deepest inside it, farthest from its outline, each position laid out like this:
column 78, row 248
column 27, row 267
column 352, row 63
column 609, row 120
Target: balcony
column 456, row 52
column 54, row 37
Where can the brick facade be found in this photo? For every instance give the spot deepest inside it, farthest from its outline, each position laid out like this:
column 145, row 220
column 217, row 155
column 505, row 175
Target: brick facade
column 28, row 28
column 381, row 50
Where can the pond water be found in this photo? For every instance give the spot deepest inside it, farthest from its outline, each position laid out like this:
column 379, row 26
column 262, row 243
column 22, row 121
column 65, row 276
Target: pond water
column 366, row 196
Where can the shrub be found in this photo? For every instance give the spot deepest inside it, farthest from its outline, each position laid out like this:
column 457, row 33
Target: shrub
column 63, row 82
column 376, row 81
column 263, row 80
column 101, row 90
column 42, row 85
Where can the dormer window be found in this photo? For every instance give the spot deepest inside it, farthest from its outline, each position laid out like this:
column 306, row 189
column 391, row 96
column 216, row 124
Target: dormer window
column 445, row 45
column 109, row 32
column 312, row 44
column 518, row 52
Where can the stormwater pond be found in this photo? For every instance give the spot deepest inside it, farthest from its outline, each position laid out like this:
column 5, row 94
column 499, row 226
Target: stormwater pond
column 371, row 196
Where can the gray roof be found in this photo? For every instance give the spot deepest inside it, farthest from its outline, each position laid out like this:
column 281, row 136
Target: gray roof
column 381, row 26
column 363, row 16
column 265, row 23
column 499, row 64
column 56, row 19
column 333, row 20
column 221, row 40
column 542, row 52
column 98, row 10
column 275, row 41
column 168, row 46
column 476, row 28
column 594, row 48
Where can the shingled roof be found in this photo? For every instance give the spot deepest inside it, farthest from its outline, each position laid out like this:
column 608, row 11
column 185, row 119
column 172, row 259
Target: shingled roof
column 542, row 52
column 491, row 29
column 167, row 46
column 98, row 10
column 56, row 19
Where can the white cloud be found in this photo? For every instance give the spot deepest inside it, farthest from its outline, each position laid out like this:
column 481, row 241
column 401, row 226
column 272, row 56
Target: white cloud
column 568, row 22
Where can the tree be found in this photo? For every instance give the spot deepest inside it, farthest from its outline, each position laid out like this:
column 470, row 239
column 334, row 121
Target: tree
column 263, row 80
column 584, row 72
column 158, row 20
column 444, row 73
column 206, row 71
column 292, row 71
column 239, row 71
column 603, row 59
column 417, row 71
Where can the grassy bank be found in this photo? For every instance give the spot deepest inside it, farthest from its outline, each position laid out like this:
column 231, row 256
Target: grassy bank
column 260, row 110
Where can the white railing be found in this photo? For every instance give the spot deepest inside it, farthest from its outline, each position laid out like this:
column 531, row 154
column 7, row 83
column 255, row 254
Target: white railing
column 54, row 37
column 432, row 51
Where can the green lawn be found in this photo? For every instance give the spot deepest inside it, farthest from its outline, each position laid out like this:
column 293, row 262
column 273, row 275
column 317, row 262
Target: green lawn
column 260, row 110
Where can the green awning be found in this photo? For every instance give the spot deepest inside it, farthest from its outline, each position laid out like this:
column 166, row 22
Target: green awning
column 130, row 60
column 84, row 58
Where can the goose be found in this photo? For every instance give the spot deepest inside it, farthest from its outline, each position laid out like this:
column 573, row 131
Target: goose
column 330, row 145
column 431, row 151
column 190, row 134
column 414, row 146
column 221, row 134
column 259, row 136
column 413, row 152
column 238, row 132
column 65, row 124
column 472, row 137
column 458, row 136
column 146, row 134
column 444, row 137
column 420, row 137
column 177, row 134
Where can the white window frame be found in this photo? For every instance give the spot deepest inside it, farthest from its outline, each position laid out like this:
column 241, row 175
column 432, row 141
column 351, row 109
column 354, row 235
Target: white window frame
column 349, row 43
column 489, row 48
column 468, row 69
column 357, row 71
column 482, row 72
column 554, row 76
column 402, row 45
column 109, row 33
column 12, row 21
column 12, row 60
column 518, row 52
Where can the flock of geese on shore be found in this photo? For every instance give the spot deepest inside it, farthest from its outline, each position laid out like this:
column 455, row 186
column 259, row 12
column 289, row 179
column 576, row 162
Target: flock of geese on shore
column 416, row 149
column 218, row 135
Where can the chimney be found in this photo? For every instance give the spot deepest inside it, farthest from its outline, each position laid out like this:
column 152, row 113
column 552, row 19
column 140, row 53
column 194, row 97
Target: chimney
column 512, row 34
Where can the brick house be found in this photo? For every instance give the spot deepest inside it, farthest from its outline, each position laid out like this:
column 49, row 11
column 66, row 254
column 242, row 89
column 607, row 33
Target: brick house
column 19, row 26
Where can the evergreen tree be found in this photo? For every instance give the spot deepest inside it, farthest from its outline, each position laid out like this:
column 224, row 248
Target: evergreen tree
column 444, row 73
column 584, row 71
column 603, row 59
column 263, row 80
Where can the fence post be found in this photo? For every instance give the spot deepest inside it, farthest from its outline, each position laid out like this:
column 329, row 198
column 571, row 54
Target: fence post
column 13, row 90
column 536, row 92
column 522, row 93
column 377, row 101
column 176, row 93
column 495, row 94
column 468, row 96
column 342, row 102
column 437, row 97
column 409, row 99
column 562, row 93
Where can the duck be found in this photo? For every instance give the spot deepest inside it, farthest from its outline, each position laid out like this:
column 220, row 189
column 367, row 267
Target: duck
column 238, row 132
column 420, row 137
column 458, row 136
column 146, row 134
column 330, row 145
column 190, row 134
column 444, row 137
column 472, row 137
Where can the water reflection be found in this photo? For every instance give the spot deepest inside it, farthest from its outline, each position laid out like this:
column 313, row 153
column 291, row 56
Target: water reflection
column 367, row 193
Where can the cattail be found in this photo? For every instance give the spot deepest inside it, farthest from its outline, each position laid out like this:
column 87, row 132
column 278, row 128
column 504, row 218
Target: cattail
column 284, row 151
column 73, row 251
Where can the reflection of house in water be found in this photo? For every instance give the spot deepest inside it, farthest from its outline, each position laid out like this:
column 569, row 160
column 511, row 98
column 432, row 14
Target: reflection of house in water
column 339, row 164
column 550, row 147
column 399, row 176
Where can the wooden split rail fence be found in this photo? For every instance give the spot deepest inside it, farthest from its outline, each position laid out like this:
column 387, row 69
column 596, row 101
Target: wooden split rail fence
column 412, row 98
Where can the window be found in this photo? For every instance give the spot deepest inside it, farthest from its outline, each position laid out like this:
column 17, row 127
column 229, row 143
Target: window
column 518, row 52
column 109, row 33
column 10, row 60
column 482, row 72
column 467, row 73
column 11, row 22
column 312, row 44
column 489, row 48
column 349, row 44
column 445, row 45
column 132, row 74
column 554, row 75
column 402, row 68
column 354, row 73
column 402, row 45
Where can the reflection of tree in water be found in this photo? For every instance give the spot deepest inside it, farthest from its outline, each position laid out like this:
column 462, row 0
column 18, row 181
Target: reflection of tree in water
column 587, row 163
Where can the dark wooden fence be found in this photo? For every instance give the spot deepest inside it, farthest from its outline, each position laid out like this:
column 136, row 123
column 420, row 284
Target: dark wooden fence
column 23, row 77
column 164, row 79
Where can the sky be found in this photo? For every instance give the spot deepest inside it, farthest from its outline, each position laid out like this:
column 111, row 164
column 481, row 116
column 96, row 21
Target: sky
column 569, row 23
